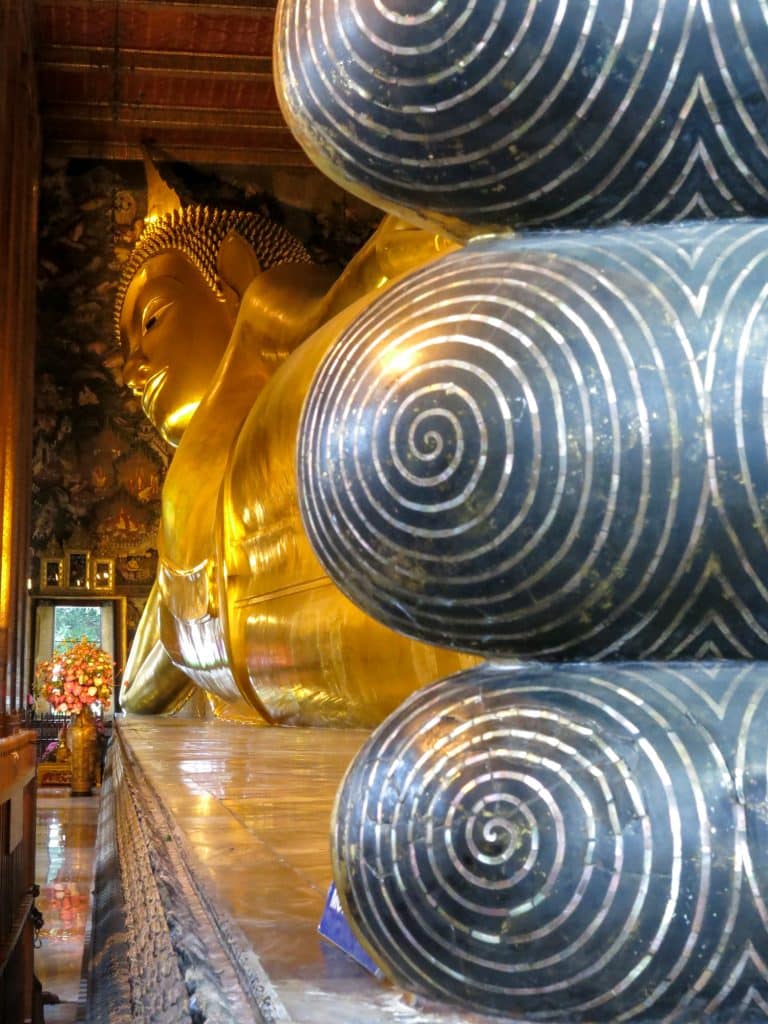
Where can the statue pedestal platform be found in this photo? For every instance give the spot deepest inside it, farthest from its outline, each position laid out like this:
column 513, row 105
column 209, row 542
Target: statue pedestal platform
column 213, row 866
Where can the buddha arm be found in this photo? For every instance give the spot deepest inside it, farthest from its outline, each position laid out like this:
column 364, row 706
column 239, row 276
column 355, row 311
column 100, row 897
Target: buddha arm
column 395, row 248
column 152, row 684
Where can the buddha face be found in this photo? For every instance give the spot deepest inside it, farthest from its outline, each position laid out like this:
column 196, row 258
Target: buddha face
column 174, row 331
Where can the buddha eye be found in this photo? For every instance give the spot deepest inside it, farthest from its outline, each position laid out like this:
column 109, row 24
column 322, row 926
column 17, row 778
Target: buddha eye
column 153, row 314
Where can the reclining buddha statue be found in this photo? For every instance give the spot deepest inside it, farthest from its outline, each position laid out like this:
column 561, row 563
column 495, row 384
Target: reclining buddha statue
column 548, row 447
column 223, row 318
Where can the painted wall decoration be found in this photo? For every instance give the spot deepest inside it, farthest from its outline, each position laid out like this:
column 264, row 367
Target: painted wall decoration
column 98, row 465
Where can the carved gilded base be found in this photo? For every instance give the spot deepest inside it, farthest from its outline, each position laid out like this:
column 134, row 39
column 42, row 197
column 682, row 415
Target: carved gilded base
column 161, row 949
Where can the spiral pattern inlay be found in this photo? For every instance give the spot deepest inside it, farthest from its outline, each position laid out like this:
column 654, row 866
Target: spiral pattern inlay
column 555, row 447
column 573, row 843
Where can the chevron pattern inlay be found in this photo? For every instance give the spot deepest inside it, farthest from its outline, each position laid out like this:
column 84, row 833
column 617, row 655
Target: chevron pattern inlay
column 554, row 446
column 534, row 112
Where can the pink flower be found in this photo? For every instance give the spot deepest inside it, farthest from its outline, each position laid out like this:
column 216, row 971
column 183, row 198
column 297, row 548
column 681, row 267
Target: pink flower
column 80, row 674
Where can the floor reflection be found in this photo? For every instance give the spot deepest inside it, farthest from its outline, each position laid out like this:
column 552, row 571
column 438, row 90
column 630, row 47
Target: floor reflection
column 66, row 834
column 56, row 839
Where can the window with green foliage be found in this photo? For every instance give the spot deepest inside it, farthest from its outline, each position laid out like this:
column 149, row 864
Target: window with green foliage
column 73, row 622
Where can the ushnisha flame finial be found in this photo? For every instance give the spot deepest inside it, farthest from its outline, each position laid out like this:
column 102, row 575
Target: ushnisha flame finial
column 161, row 198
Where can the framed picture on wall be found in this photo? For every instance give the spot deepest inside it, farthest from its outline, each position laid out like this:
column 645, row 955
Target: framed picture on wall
column 103, row 573
column 78, row 569
column 51, row 574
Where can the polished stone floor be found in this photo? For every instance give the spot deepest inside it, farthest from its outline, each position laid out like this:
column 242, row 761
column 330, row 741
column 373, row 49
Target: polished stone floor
column 66, row 832
column 254, row 806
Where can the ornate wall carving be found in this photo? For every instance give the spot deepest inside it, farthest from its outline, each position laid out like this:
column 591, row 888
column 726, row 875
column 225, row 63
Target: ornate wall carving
column 162, row 948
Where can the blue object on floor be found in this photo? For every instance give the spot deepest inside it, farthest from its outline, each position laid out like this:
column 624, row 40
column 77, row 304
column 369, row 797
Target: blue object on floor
column 333, row 926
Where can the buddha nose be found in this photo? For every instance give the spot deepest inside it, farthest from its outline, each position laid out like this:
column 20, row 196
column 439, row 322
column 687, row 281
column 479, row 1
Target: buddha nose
column 136, row 372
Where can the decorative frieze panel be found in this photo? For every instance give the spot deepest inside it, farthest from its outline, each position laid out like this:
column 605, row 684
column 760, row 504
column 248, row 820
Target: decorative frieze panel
column 163, row 949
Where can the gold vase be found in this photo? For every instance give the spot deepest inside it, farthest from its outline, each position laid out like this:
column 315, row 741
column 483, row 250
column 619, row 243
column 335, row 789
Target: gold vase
column 83, row 737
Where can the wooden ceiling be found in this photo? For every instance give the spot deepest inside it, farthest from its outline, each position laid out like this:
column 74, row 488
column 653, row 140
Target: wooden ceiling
column 193, row 80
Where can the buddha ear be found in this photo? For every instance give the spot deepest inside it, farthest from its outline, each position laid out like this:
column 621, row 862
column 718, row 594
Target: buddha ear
column 237, row 265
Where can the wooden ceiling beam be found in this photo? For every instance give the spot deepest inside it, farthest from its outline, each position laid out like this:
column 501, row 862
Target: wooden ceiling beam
column 86, row 57
column 162, row 132
column 157, row 25
column 188, row 153
column 159, row 116
column 192, row 76
column 137, row 87
column 189, row 7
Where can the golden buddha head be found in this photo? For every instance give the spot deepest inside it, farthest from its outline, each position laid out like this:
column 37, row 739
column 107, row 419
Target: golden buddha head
column 178, row 298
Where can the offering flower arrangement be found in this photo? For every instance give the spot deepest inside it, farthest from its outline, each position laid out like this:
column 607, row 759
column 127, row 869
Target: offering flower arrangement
column 78, row 676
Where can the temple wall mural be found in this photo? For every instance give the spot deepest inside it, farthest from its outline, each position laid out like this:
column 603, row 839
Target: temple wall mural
column 98, row 466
